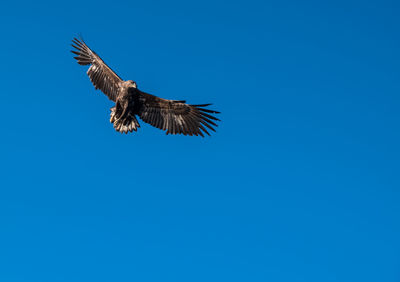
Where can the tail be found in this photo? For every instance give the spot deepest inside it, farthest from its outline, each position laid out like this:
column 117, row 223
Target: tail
column 125, row 124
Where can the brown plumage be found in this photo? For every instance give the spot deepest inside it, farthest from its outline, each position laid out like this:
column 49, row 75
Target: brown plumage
column 174, row 116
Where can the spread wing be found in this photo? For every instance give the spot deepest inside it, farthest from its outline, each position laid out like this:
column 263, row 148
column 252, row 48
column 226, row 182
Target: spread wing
column 101, row 75
column 175, row 116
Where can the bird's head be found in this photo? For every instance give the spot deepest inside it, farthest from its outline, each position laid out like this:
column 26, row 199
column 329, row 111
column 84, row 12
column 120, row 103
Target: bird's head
column 132, row 84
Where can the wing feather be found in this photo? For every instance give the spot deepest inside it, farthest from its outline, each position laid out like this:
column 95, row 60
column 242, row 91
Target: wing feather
column 175, row 116
column 101, row 75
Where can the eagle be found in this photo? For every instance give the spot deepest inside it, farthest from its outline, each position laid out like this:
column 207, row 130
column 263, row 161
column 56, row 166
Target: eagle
column 172, row 116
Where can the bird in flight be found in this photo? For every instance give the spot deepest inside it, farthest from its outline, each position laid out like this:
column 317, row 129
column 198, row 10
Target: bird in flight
column 174, row 116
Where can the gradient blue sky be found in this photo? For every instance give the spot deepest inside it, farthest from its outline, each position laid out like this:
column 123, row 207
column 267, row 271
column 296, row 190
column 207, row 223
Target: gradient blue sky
column 300, row 183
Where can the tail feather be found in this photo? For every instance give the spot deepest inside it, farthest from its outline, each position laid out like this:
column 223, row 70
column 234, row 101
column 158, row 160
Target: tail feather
column 125, row 124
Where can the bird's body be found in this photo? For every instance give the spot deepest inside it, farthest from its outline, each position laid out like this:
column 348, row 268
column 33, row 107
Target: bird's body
column 125, row 109
column 176, row 117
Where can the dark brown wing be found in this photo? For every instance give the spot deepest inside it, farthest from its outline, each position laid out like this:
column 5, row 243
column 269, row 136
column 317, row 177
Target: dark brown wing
column 101, row 75
column 176, row 117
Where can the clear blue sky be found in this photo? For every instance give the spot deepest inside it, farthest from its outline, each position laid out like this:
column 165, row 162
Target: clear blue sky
column 300, row 183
